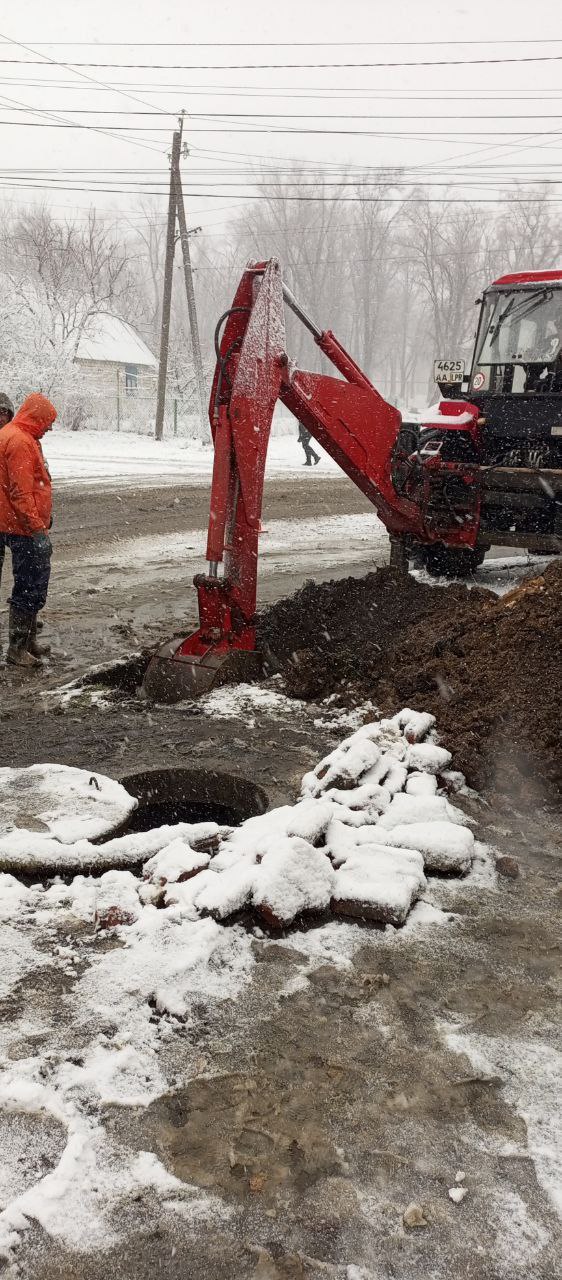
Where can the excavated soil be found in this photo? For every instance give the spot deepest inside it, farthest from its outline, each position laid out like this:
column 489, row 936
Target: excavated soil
column 487, row 667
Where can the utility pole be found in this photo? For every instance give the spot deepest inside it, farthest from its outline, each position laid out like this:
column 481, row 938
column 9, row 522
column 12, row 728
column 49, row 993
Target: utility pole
column 167, row 291
column 176, row 208
column 190, row 295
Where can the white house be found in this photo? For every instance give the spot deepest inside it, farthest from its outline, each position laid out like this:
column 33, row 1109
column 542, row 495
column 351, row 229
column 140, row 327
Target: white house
column 112, row 354
column 117, row 376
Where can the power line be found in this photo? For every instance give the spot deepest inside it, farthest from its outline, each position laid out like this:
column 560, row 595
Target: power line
column 439, row 135
column 52, row 116
column 379, row 174
column 70, row 67
column 132, row 187
column 274, row 66
column 282, row 44
column 422, row 95
column 307, row 199
column 58, row 123
column 294, row 115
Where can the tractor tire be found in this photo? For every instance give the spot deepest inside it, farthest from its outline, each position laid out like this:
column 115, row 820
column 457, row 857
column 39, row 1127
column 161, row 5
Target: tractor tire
column 446, row 562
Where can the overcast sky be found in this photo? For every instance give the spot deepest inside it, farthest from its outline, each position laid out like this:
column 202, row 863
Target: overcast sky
column 291, row 111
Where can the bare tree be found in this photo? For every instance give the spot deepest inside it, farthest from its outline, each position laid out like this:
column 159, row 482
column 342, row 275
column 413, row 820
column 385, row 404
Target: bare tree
column 444, row 243
column 525, row 236
column 306, row 235
column 149, row 239
column 371, row 268
column 61, row 273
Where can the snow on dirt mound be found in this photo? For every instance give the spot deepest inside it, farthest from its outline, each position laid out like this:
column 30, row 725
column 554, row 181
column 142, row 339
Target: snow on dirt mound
column 487, row 667
column 369, row 823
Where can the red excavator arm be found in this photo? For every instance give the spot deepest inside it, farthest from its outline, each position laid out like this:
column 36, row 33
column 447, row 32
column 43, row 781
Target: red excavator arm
column 346, row 415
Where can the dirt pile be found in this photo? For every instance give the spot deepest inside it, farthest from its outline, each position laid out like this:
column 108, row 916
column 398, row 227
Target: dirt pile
column 487, row 667
column 338, row 637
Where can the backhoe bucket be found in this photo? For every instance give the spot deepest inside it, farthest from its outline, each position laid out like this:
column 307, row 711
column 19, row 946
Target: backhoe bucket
column 173, row 677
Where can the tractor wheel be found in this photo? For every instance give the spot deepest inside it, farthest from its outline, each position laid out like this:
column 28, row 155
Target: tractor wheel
column 446, row 562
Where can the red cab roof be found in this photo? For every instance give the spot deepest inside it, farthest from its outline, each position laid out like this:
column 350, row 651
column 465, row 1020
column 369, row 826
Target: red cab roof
column 531, row 277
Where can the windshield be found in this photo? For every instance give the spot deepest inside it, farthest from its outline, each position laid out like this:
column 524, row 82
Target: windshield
column 518, row 328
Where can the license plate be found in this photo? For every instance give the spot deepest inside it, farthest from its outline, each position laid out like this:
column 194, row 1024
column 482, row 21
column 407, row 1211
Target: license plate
column 556, row 431
column 448, row 372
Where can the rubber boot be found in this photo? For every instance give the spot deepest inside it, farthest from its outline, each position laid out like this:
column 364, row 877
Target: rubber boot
column 19, row 634
column 37, row 650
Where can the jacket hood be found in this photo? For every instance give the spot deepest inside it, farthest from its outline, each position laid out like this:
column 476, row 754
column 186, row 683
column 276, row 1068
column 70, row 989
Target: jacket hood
column 36, row 415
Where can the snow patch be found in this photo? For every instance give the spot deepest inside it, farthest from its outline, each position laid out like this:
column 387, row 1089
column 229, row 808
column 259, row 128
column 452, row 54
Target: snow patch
column 240, row 701
column 532, row 1083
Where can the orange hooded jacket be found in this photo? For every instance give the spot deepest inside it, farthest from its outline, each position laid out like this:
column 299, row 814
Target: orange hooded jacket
column 25, row 483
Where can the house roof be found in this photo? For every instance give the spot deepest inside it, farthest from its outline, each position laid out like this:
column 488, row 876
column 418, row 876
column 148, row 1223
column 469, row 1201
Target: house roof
column 110, row 338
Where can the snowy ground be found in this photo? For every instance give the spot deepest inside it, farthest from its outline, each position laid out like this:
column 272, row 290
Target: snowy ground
column 109, row 458
column 500, row 572
column 181, row 1096
column 285, row 545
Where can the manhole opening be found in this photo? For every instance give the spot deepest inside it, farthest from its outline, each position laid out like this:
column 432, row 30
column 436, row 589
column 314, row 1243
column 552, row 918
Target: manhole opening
column 167, row 796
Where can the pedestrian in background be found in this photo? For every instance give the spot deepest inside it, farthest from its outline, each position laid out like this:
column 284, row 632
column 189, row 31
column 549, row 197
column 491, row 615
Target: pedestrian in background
column 25, row 519
column 309, row 453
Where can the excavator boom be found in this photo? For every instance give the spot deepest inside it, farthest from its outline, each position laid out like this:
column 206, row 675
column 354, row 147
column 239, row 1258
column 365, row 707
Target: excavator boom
column 345, row 414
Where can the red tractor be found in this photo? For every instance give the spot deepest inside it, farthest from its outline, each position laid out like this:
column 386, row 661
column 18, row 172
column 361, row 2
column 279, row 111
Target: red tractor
column 485, row 466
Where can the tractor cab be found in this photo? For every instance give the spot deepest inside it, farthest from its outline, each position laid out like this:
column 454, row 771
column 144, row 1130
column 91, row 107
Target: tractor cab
column 516, row 374
column 518, row 348
column 497, row 432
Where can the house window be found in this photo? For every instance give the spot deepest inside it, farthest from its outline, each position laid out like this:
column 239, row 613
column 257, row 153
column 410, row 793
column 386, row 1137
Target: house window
column 131, row 379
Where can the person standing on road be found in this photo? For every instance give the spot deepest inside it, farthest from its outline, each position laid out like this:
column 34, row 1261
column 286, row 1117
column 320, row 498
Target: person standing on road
column 309, row 453
column 25, row 519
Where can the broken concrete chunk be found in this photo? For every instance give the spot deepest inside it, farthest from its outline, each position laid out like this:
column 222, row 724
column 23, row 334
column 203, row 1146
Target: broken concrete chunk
column 428, row 757
column 226, row 892
column 344, row 766
column 378, row 883
column 407, row 808
column 176, row 862
column 444, row 846
column 415, row 725
column 292, row 878
column 421, row 784
column 116, row 900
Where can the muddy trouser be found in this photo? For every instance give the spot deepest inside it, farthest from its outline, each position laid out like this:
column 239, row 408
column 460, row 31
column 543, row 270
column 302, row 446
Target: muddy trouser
column 31, row 569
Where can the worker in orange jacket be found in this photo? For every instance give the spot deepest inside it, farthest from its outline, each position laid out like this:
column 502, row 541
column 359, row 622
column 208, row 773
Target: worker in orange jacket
column 25, row 520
